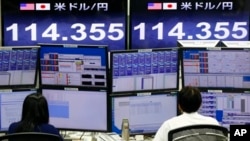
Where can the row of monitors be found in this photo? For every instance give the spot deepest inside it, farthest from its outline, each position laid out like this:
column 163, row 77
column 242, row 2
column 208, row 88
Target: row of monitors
column 143, row 70
column 57, row 65
column 93, row 111
column 123, row 24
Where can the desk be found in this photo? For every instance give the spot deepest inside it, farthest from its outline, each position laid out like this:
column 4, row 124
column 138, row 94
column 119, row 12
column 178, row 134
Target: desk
column 96, row 136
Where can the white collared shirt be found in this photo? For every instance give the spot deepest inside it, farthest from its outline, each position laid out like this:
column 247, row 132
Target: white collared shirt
column 184, row 119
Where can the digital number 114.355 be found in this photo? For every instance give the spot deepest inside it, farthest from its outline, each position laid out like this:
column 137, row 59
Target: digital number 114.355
column 221, row 30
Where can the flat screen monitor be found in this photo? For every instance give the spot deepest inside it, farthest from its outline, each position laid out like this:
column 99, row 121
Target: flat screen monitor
column 74, row 65
column 64, row 22
column 11, row 103
column 144, row 70
column 74, row 109
column 212, row 68
column 18, row 66
column 229, row 108
column 160, row 23
column 146, row 113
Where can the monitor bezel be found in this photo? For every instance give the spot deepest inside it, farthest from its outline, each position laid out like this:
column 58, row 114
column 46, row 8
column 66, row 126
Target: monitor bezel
column 137, row 51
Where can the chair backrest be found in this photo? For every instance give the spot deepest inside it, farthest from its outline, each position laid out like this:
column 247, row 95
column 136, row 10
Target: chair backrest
column 199, row 133
column 30, row 136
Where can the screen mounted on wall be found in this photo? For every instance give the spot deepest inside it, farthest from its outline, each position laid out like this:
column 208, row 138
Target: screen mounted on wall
column 156, row 24
column 64, row 22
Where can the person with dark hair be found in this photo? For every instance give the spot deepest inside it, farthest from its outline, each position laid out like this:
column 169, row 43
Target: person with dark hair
column 189, row 101
column 35, row 116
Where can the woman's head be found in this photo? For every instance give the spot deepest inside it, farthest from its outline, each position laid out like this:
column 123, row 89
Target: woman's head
column 189, row 99
column 35, row 109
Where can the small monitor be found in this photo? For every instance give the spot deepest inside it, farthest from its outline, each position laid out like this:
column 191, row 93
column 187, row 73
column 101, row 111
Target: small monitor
column 74, row 65
column 216, row 68
column 18, row 66
column 229, row 108
column 11, row 103
column 74, row 109
column 144, row 70
column 236, row 44
column 198, row 43
column 146, row 113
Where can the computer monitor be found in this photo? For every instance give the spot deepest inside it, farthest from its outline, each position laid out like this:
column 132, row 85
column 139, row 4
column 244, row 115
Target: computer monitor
column 229, row 108
column 74, row 109
column 146, row 113
column 217, row 67
column 144, row 70
column 18, row 66
column 11, row 103
column 74, row 65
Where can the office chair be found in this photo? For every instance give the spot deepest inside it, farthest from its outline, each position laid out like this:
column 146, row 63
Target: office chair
column 30, row 136
column 199, row 133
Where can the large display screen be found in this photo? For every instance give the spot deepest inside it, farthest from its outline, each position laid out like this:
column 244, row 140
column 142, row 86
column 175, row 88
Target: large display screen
column 159, row 23
column 74, row 65
column 216, row 67
column 18, row 66
column 144, row 70
column 146, row 113
column 11, row 103
column 77, row 109
column 229, row 108
column 27, row 22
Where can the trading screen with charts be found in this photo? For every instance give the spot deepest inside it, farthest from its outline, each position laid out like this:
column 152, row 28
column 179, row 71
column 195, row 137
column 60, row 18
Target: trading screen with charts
column 18, row 66
column 216, row 67
column 144, row 70
column 227, row 107
column 82, row 66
